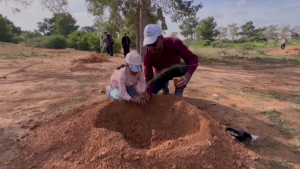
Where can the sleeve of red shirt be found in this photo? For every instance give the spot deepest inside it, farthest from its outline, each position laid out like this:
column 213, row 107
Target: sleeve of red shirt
column 148, row 71
column 190, row 59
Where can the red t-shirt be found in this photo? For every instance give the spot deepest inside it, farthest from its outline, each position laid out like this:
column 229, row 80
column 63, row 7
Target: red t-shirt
column 173, row 51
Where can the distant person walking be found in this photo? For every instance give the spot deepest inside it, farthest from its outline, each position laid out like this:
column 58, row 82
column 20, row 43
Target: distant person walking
column 110, row 43
column 104, row 41
column 283, row 43
column 126, row 44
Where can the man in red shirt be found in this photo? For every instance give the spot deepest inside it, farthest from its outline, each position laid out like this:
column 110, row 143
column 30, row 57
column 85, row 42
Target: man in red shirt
column 162, row 54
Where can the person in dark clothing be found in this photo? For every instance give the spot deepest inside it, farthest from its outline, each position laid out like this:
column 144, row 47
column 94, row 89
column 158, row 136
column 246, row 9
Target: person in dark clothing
column 109, row 43
column 126, row 44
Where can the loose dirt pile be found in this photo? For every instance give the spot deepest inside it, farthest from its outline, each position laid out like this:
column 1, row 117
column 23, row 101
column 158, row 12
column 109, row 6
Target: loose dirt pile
column 93, row 58
column 170, row 133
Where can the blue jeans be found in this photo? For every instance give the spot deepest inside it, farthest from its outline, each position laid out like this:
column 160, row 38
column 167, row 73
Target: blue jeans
column 114, row 93
column 162, row 81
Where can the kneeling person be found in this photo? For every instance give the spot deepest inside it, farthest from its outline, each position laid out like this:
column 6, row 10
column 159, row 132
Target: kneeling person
column 165, row 55
column 125, row 79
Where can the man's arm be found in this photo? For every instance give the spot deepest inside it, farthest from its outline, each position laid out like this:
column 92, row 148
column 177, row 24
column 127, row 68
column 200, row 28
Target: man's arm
column 190, row 58
column 129, row 40
column 148, row 71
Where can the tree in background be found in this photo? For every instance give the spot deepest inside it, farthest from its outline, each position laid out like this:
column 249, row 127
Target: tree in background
column 6, row 33
column 233, row 31
column 59, row 23
column 52, row 5
column 15, row 30
column 88, row 29
column 138, row 11
column 30, row 34
column 223, row 32
column 46, row 27
column 206, row 30
column 188, row 27
column 65, row 24
column 295, row 31
column 174, row 34
column 271, row 32
column 248, row 29
column 285, row 31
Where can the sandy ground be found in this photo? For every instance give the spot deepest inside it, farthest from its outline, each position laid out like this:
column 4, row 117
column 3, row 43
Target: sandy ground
column 38, row 90
column 289, row 51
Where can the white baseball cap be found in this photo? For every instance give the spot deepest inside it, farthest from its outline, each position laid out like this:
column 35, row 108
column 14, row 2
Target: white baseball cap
column 151, row 32
column 135, row 61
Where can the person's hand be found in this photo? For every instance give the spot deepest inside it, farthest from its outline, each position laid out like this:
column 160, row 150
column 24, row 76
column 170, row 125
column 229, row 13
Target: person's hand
column 145, row 96
column 183, row 80
column 143, row 102
column 139, row 100
column 135, row 99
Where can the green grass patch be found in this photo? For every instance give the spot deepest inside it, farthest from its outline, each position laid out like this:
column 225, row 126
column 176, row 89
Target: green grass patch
column 274, row 164
column 293, row 107
column 256, row 95
column 276, row 121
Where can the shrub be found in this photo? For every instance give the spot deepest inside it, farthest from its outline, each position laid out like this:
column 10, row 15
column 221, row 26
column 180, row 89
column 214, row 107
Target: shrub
column 225, row 40
column 242, row 52
column 87, row 41
column 30, row 34
column 248, row 46
column 55, row 42
column 35, row 42
column 117, row 45
column 16, row 39
column 241, row 40
column 93, row 42
column 260, row 52
column 219, row 44
column 189, row 42
column 206, row 43
column 257, row 39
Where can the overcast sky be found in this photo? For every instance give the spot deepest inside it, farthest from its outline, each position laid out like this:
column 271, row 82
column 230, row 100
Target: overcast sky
column 261, row 12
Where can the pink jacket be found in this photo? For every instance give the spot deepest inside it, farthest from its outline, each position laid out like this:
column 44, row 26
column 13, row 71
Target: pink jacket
column 122, row 78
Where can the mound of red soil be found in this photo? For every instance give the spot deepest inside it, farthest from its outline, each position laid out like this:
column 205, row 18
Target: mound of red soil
column 93, row 58
column 170, row 133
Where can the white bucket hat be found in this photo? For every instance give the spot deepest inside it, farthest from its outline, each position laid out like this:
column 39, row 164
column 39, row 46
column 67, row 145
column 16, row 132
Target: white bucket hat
column 135, row 61
column 151, row 32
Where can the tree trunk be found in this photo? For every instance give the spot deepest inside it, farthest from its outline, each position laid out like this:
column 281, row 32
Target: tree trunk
column 137, row 30
column 143, row 23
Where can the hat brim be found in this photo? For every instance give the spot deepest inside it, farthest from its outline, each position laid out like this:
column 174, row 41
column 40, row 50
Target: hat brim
column 135, row 68
column 149, row 40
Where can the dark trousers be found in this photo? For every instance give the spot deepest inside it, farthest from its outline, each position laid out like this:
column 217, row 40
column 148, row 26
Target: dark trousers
column 111, row 49
column 126, row 49
column 107, row 50
column 282, row 46
column 161, row 81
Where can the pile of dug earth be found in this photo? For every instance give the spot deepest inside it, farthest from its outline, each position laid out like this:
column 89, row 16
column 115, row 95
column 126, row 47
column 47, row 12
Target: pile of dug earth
column 169, row 133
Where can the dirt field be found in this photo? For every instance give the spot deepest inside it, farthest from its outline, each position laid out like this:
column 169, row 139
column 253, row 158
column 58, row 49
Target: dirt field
column 289, row 51
column 43, row 99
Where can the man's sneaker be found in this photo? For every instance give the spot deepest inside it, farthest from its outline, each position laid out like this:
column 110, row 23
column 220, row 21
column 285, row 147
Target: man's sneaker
column 166, row 90
column 179, row 92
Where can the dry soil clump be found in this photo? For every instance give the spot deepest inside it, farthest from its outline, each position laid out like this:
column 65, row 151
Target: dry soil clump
column 93, row 58
column 169, row 133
